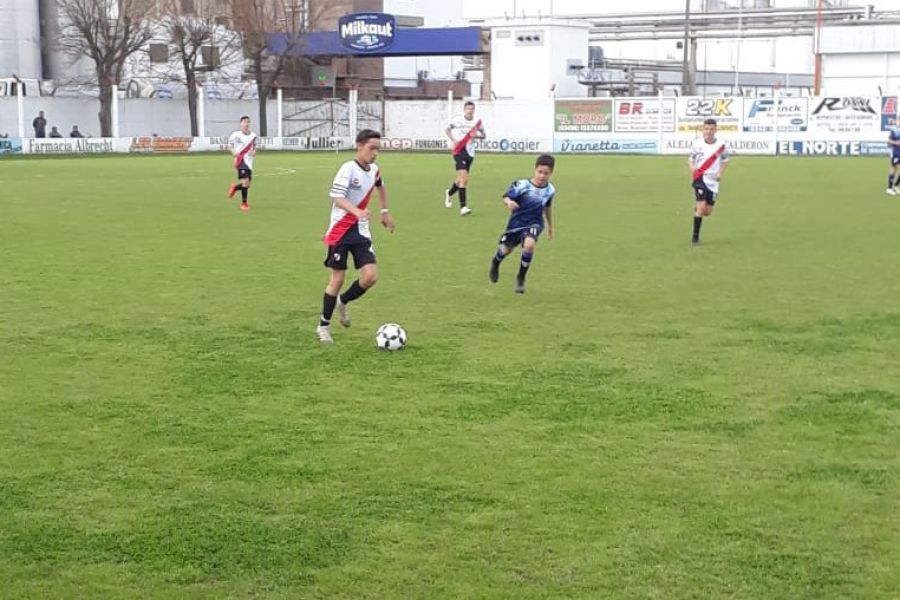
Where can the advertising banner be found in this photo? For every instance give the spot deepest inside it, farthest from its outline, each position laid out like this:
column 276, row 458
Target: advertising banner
column 74, row 145
column 589, row 116
column 888, row 112
column 10, row 145
column 691, row 112
column 874, row 149
column 743, row 145
column 611, row 146
column 814, row 148
column 851, row 116
column 760, row 114
column 642, row 115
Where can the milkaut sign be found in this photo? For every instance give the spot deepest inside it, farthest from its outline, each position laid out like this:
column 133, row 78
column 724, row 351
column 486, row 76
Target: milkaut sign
column 367, row 32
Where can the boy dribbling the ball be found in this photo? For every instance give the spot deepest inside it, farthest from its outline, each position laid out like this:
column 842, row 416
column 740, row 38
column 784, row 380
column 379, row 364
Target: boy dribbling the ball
column 529, row 201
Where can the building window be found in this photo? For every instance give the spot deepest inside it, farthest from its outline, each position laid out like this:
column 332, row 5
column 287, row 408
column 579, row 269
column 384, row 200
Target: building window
column 296, row 16
column 210, row 55
column 159, row 53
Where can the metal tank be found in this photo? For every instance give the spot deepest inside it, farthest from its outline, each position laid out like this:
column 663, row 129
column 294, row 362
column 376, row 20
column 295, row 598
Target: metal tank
column 20, row 39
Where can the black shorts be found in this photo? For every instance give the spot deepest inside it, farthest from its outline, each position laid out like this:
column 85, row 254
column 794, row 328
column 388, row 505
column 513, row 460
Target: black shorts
column 895, row 160
column 463, row 161
column 703, row 193
column 363, row 254
column 517, row 237
column 244, row 172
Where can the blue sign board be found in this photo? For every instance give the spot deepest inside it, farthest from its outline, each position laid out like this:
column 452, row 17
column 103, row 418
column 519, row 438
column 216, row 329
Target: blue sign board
column 413, row 41
column 367, row 32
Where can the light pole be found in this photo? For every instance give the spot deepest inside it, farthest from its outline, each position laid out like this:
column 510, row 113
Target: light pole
column 686, row 88
column 737, row 60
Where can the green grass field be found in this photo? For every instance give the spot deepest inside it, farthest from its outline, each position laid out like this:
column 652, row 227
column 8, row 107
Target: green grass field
column 650, row 420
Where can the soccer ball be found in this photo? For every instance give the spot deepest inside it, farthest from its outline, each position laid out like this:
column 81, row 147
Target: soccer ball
column 390, row 336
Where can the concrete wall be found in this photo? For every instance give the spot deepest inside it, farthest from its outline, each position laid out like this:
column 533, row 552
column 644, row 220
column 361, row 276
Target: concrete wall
column 137, row 116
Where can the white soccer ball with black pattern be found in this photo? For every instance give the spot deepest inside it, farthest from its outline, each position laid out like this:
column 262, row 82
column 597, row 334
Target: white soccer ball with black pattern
column 390, row 336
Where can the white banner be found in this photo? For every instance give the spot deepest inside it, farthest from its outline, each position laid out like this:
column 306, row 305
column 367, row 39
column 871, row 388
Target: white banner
column 760, row 114
column 640, row 115
column 741, row 146
column 691, row 112
column 853, row 116
column 75, row 145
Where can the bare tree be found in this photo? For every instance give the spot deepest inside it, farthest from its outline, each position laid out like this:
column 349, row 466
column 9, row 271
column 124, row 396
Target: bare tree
column 291, row 20
column 107, row 32
column 199, row 44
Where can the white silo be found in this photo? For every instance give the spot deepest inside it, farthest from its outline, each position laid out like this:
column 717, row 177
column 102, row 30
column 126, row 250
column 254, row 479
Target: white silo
column 20, row 39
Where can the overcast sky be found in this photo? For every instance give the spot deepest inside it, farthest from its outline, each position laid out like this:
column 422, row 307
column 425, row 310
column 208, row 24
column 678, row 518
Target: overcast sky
column 495, row 8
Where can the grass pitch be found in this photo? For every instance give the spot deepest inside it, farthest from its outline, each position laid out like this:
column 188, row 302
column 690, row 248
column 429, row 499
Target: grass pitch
column 650, row 420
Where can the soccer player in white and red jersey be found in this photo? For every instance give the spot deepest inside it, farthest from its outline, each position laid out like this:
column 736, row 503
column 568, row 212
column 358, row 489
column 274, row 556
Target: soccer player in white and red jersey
column 708, row 160
column 348, row 232
column 242, row 144
column 463, row 131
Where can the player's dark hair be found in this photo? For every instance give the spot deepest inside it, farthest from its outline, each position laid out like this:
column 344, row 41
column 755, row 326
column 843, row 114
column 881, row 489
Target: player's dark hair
column 367, row 134
column 245, row 117
column 468, row 103
column 545, row 160
column 710, row 122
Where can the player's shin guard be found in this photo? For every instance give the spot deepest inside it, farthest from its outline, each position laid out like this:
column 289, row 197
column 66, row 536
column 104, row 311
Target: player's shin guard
column 244, row 192
column 523, row 266
column 698, row 221
column 328, row 304
column 353, row 292
column 453, row 189
column 891, row 180
column 462, row 197
column 499, row 256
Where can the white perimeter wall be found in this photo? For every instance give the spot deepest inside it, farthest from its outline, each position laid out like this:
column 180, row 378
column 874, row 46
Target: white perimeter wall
column 137, row 116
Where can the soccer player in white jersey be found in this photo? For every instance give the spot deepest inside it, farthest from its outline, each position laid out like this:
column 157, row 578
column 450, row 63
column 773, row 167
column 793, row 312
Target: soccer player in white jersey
column 708, row 160
column 463, row 131
column 242, row 144
column 348, row 231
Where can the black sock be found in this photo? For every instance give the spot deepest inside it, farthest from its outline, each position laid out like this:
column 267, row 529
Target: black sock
column 244, row 192
column 523, row 266
column 462, row 197
column 890, row 181
column 353, row 292
column 328, row 303
column 698, row 221
column 453, row 189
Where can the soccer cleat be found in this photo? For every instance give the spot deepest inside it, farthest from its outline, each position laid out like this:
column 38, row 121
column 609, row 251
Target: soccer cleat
column 494, row 273
column 324, row 333
column 695, row 241
column 343, row 315
column 245, row 207
column 892, row 191
column 520, row 286
column 448, row 202
column 465, row 210
column 232, row 190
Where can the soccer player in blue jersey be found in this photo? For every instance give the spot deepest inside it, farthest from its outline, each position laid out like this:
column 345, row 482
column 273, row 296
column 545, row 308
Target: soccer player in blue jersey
column 894, row 145
column 529, row 201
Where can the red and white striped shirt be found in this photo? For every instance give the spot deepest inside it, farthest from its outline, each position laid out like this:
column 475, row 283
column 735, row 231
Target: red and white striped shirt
column 354, row 183
column 242, row 145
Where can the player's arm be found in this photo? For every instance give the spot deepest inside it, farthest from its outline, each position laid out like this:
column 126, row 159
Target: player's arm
column 449, row 132
column 723, row 167
column 386, row 219
column 510, row 203
column 548, row 215
column 345, row 204
column 892, row 141
column 480, row 134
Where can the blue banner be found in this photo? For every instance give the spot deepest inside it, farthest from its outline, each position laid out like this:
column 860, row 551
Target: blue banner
column 420, row 41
